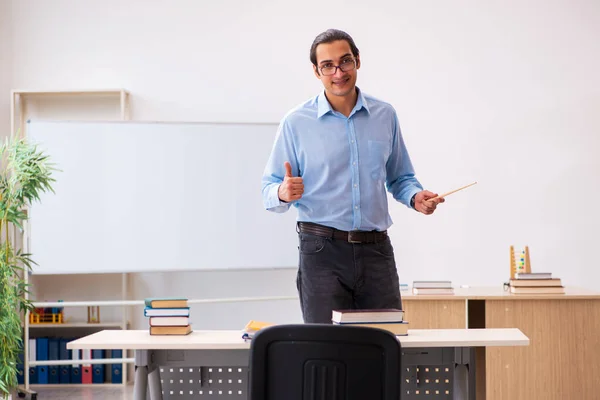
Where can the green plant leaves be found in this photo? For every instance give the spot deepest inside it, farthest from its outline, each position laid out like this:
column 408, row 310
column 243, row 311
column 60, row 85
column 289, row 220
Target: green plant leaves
column 25, row 173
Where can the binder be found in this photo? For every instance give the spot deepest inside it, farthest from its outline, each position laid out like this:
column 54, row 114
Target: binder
column 64, row 354
column 42, row 355
column 33, row 376
column 98, row 369
column 116, row 375
column 75, row 368
column 53, row 370
column 20, row 368
column 86, row 369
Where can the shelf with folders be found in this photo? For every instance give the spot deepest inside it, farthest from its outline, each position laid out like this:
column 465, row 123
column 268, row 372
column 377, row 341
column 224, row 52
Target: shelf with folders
column 48, row 361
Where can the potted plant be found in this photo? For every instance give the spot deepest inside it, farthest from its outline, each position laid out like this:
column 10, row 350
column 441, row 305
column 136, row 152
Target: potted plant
column 25, row 173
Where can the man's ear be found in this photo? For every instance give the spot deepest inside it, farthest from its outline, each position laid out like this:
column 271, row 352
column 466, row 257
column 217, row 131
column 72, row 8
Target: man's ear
column 357, row 62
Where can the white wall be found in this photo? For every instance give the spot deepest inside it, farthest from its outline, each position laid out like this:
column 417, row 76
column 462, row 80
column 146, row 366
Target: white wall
column 5, row 66
column 463, row 75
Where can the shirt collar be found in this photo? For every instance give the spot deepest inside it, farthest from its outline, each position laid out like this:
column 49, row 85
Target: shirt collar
column 361, row 102
column 323, row 106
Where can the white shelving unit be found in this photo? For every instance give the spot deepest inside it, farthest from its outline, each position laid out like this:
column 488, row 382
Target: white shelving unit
column 21, row 99
column 117, row 101
column 73, row 327
column 104, row 325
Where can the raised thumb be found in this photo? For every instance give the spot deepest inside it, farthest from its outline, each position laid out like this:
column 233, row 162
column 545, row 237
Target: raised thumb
column 288, row 169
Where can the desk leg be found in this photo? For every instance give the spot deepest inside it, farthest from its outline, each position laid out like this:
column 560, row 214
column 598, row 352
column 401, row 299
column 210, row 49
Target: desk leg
column 154, row 383
column 140, row 384
column 464, row 373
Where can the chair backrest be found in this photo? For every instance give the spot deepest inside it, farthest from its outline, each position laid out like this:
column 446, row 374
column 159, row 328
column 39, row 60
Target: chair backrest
column 324, row 362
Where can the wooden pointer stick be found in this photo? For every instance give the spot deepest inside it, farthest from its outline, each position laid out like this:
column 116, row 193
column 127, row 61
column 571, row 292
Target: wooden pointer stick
column 453, row 191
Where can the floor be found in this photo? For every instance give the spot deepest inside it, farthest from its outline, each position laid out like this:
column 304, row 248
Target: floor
column 83, row 393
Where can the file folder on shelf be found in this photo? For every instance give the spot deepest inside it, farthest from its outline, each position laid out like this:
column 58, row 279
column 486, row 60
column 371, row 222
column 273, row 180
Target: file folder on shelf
column 116, row 375
column 20, row 369
column 53, row 370
column 98, row 369
column 86, row 369
column 76, row 368
column 64, row 354
column 33, row 376
column 42, row 355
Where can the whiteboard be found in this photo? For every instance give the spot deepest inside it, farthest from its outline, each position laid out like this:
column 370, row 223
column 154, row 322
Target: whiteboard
column 150, row 196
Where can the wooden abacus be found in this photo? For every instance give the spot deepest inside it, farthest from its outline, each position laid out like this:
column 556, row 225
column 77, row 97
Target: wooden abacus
column 513, row 262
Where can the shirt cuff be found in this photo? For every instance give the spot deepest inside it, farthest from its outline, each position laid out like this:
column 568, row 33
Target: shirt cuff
column 273, row 197
column 412, row 195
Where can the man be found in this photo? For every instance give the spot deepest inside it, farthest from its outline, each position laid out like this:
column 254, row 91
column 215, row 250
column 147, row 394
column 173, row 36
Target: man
column 332, row 159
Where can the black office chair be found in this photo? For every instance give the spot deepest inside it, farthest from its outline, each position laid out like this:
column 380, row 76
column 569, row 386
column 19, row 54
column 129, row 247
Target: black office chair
column 324, row 362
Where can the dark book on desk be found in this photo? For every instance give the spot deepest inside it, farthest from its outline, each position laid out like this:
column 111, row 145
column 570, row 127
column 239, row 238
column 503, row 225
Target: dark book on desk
column 433, row 291
column 170, row 330
column 371, row 315
column 554, row 282
column 432, row 284
column 166, row 302
column 432, row 287
column 533, row 275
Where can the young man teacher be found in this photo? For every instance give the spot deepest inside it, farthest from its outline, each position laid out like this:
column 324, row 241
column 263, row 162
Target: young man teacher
column 333, row 158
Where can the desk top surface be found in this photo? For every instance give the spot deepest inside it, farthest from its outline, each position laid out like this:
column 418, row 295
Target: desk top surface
column 498, row 293
column 232, row 339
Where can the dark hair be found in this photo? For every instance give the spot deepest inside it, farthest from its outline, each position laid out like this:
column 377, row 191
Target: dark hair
column 331, row 35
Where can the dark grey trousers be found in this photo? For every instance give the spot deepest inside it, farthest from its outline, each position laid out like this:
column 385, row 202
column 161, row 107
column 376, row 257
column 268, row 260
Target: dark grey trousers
column 334, row 274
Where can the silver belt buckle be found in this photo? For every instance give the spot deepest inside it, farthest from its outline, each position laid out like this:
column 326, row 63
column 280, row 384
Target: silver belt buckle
column 351, row 237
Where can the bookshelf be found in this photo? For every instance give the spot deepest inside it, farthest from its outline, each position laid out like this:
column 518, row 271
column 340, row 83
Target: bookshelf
column 103, row 325
column 22, row 102
column 76, row 330
column 76, row 104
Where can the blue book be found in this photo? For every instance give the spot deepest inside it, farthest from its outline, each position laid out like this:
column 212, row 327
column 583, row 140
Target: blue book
column 166, row 302
column 166, row 312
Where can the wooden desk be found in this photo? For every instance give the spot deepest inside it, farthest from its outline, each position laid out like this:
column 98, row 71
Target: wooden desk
column 225, row 350
column 563, row 360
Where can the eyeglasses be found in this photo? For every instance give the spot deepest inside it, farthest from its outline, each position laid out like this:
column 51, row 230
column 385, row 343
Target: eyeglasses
column 346, row 65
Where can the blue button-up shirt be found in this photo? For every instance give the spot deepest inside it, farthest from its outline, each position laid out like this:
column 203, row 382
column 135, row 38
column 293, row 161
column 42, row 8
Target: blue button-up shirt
column 346, row 164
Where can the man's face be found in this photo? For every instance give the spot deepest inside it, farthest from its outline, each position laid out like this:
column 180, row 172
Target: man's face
column 334, row 54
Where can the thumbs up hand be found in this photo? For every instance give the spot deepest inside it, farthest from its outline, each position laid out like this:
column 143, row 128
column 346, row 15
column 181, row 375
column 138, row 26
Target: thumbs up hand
column 292, row 187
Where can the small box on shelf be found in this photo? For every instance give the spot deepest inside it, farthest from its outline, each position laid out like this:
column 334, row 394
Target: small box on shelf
column 47, row 315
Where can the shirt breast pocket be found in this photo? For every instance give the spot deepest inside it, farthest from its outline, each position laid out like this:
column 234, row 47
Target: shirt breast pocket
column 379, row 152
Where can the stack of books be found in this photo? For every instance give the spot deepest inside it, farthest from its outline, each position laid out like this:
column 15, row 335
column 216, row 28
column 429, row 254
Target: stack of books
column 168, row 316
column 391, row 319
column 252, row 327
column 536, row 283
column 433, row 287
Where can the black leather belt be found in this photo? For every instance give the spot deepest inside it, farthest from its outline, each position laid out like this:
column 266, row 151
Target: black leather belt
column 350, row 237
